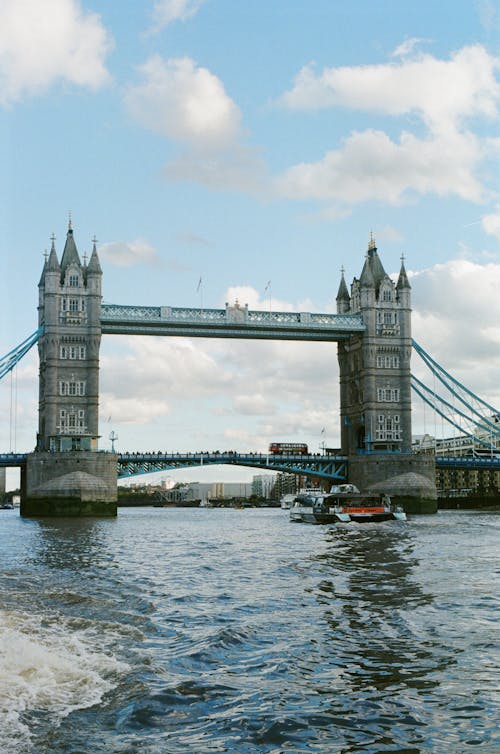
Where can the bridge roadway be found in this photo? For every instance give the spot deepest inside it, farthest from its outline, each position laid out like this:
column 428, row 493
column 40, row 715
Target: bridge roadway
column 334, row 468
column 322, row 466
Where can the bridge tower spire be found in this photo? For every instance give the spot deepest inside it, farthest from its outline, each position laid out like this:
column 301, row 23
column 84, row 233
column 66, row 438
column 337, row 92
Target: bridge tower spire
column 375, row 378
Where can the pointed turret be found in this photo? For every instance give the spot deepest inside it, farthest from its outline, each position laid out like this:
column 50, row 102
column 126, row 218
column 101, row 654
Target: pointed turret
column 366, row 279
column 376, row 266
column 403, row 281
column 70, row 253
column 41, row 282
column 94, row 266
column 343, row 299
column 403, row 293
column 53, row 263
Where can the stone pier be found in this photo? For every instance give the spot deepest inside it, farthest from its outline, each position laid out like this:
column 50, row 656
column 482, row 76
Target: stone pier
column 76, row 483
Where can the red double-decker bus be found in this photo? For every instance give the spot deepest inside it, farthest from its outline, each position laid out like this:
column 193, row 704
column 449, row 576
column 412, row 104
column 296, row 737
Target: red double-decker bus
column 288, row 448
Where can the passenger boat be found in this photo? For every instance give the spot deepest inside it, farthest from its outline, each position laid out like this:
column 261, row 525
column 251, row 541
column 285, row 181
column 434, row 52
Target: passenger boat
column 344, row 503
column 288, row 500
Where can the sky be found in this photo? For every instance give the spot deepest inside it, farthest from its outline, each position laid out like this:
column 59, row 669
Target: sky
column 255, row 146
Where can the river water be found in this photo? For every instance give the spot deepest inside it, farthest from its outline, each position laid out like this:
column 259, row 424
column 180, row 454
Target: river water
column 179, row 631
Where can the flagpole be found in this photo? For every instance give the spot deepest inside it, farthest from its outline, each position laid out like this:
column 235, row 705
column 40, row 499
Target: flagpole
column 268, row 287
column 200, row 289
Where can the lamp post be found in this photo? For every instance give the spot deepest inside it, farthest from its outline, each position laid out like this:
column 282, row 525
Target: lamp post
column 113, row 436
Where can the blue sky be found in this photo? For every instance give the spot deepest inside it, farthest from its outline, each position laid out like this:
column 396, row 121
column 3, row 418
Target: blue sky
column 246, row 143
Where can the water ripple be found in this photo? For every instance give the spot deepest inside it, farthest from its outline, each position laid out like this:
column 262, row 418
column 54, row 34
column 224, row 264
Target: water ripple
column 234, row 631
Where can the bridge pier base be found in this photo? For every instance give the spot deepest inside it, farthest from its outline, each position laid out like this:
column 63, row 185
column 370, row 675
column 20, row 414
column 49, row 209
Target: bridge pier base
column 79, row 483
column 410, row 480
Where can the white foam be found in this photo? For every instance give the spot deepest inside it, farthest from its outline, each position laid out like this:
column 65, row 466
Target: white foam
column 51, row 667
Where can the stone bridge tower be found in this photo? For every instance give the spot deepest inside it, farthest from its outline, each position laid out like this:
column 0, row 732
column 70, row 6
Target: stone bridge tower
column 70, row 312
column 66, row 475
column 375, row 388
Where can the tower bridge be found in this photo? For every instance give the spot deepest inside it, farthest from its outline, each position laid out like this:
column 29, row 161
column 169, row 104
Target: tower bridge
column 67, row 474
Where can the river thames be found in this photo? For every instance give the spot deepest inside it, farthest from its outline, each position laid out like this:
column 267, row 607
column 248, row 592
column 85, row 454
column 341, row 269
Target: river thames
column 179, row 631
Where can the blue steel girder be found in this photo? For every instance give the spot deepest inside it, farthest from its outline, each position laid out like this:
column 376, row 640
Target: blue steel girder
column 9, row 361
column 448, row 412
column 468, row 462
column 231, row 322
column 475, row 411
column 12, row 460
column 326, row 467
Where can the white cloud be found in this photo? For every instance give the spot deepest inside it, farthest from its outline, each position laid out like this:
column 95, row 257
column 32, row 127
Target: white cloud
column 188, row 104
column 254, row 405
column 166, row 12
column 491, row 223
column 132, row 410
column 371, row 166
column 407, row 47
column 155, row 366
column 42, row 43
column 184, row 102
column 389, row 234
column 441, row 92
column 128, row 254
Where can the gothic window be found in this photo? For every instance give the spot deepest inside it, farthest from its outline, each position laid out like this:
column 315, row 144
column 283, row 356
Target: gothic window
column 387, row 361
column 73, row 304
column 387, row 318
column 63, row 304
column 387, row 295
column 388, row 394
column 72, row 352
column 74, row 281
column 71, row 387
column 388, row 428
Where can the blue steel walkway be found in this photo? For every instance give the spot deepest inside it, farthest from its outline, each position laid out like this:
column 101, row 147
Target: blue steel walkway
column 133, row 464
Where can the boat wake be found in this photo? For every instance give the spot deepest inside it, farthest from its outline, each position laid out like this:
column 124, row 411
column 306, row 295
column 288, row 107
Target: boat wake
column 47, row 670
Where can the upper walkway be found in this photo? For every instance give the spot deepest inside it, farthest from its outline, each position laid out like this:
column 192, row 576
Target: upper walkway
column 231, row 322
